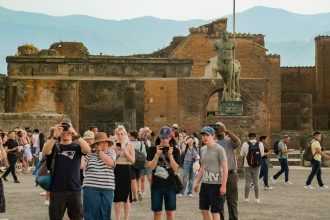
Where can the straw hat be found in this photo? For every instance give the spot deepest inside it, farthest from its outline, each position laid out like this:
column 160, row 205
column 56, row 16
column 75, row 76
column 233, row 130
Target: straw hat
column 101, row 136
column 88, row 135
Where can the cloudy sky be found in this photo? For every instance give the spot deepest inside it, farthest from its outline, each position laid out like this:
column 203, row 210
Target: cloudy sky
column 170, row 9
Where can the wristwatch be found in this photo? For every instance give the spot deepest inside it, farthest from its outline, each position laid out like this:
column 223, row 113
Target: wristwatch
column 76, row 137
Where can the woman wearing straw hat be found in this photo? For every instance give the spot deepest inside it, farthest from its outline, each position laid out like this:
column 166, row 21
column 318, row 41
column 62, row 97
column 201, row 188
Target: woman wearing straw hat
column 99, row 181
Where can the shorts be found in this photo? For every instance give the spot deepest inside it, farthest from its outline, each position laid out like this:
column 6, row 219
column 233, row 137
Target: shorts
column 135, row 173
column 145, row 171
column 209, row 196
column 168, row 194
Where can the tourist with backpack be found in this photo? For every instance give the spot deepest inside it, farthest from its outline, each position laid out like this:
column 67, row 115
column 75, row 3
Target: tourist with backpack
column 317, row 153
column 283, row 159
column 252, row 152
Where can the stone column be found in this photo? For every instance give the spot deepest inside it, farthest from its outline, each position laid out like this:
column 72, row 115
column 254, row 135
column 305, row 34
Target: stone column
column 11, row 97
column 130, row 106
column 306, row 119
column 71, row 102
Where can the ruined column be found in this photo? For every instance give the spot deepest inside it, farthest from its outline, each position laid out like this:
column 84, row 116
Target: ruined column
column 130, row 106
column 71, row 102
column 11, row 97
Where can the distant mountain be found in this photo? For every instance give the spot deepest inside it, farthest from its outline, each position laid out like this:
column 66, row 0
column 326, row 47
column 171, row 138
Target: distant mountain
column 290, row 35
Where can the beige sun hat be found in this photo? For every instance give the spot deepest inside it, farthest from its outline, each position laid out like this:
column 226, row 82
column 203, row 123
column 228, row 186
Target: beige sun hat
column 101, row 136
column 88, row 135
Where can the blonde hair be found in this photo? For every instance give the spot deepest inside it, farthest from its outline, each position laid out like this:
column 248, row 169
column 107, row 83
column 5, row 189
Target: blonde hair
column 121, row 128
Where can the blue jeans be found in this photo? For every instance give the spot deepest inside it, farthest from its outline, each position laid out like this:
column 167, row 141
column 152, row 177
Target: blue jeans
column 316, row 170
column 97, row 203
column 264, row 171
column 168, row 194
column 284, row 168
column 188, row 176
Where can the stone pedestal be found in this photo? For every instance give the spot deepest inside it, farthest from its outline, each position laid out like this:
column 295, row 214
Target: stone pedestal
column 231, row 108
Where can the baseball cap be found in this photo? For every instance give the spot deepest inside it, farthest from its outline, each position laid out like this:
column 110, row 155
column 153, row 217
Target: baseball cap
column 207, row 130
column 165, row 132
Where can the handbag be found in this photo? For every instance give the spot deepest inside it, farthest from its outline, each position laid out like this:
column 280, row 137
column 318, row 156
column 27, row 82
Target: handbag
column 43, row 174
column 176, row 179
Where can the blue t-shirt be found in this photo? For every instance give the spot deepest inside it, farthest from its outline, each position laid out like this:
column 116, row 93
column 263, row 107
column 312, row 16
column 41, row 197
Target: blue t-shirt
column 66, row 175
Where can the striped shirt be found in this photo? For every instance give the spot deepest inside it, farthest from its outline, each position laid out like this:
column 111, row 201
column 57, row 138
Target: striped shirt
column 97, row 174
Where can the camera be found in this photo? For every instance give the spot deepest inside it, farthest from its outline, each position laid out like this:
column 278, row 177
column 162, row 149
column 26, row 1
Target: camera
column 118, row 144
column 65, row 126
column 165, row 150
column 214, row 126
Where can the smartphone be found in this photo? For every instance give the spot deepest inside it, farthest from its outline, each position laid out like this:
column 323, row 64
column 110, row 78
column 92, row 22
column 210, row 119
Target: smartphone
column 118, row 144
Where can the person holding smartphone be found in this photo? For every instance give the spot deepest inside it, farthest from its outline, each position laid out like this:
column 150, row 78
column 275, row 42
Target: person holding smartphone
column 163, row 159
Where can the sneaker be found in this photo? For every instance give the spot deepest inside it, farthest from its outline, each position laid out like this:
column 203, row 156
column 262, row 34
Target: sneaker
column 273, row 180
column 324, row 187
column 246, row 200
column 144, row 195
column 46, row 203
column 268, row 188
column 190, row 195
column 180, row 194
column 139, row 196
column 258, row 201
column 16, row 181
column 288, row 183
column 309, row 187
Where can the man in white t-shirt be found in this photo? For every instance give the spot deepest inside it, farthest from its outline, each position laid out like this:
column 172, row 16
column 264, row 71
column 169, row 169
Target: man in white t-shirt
column 316, row 162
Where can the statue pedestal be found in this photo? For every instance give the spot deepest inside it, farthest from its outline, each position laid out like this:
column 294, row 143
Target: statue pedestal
column 231, row 108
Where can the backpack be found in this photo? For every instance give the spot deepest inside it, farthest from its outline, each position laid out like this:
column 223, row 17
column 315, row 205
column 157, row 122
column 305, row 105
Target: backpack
column 140, row 159
column 45, row 169
column 276, row 148
column 254, row 155
column 308, row 154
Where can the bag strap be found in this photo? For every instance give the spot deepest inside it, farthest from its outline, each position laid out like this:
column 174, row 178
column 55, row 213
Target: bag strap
column 311, row 147
column 57, row 150
column 167, row 163
column 141, row 146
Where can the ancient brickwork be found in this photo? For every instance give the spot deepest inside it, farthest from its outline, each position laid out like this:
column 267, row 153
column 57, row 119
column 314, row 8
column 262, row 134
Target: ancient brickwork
column 160, row 101
column 292, row 79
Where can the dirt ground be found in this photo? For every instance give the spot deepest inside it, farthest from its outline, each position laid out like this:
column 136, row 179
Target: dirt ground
column 283, row 202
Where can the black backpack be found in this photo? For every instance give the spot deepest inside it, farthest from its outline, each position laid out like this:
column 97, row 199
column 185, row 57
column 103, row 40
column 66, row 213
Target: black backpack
column 308, row 154
column 140, row 159
column 254, row 155
column 276, row 148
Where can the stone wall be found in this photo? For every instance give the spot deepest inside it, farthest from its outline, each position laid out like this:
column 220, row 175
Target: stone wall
column 322, row 44
column 103, row 66
column 42, row 121
column 292, row 79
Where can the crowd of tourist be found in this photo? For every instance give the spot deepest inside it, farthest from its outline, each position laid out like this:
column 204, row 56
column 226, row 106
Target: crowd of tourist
column 98, row 171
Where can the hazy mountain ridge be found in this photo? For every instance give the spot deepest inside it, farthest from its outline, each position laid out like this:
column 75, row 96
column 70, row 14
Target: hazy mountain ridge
column 288, row 34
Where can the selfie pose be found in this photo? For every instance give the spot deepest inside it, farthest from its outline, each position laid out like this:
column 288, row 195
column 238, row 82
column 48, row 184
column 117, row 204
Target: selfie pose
column 163, row 159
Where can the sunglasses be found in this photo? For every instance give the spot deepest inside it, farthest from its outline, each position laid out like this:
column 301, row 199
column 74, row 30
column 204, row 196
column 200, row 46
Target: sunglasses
column 205, row 134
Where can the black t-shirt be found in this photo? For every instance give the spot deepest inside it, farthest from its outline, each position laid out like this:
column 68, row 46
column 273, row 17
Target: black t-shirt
column 160, row 175
column 11, row 143
column 66, row 175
